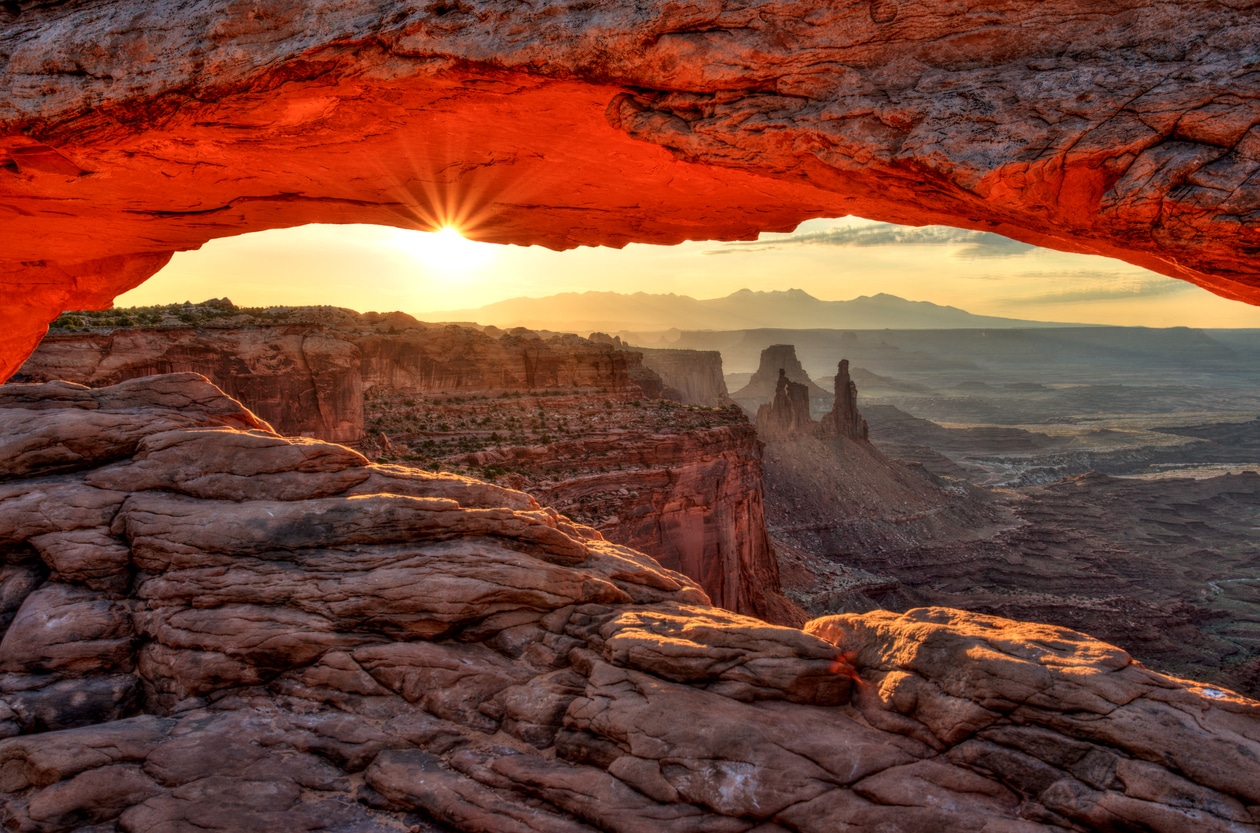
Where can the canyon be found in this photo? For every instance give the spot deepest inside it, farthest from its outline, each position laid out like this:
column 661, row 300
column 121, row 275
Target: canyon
column 1159, row 559
column 135, row 129
column 801, row 517
column 211, row 626
column 306, row 370
column 577, row 423
column 217, row 628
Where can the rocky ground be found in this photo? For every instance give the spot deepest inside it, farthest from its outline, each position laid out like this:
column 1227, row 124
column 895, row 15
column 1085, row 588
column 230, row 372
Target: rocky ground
column 210, row 627
column 1168, row 569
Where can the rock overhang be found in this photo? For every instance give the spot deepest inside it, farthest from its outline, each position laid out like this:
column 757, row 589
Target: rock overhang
column 132, row 129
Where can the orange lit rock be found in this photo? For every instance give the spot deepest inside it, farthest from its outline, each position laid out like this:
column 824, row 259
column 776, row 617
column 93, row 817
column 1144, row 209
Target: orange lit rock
column 131, row 130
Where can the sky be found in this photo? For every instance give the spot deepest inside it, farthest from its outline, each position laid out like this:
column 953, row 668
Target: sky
column 385, row 269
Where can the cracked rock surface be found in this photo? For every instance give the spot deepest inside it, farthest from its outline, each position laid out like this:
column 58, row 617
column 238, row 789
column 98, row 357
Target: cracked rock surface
column 130, row 129
column 212, row 627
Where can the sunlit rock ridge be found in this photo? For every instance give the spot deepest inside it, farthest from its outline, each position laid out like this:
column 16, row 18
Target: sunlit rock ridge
column 135, row 128
column 206, row 626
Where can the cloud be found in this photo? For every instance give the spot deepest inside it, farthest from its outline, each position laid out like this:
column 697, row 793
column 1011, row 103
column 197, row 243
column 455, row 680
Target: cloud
column 1088, row 286
column 975, row 244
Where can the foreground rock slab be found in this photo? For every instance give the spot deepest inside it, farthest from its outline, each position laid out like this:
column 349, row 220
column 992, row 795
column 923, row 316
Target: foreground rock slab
column 211, row 627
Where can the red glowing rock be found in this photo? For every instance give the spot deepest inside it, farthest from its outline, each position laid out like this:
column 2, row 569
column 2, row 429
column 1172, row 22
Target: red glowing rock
column 132, row 130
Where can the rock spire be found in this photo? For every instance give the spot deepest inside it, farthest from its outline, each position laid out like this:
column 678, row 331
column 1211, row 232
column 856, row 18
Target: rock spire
column 844, row 419
column 788, row 413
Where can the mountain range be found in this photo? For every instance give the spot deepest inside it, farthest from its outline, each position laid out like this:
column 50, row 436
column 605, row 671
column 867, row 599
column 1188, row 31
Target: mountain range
column 614, row 312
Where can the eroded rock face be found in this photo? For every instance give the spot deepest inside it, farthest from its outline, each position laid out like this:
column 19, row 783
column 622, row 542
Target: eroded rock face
column 302, row 379
column 291, row 638
column 309, row 377
column 787, row 413
column 695, row 374
column 134, row 129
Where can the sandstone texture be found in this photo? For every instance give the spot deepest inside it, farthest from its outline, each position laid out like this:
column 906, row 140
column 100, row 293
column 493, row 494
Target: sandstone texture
column 216, row 628
column 559, row 415
column 301, row 378
column 130, row 129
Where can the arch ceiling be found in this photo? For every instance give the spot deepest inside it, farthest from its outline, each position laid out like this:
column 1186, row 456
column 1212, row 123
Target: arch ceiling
column 130, row 129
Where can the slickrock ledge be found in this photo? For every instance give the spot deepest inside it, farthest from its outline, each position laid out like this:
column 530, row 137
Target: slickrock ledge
column 211, row 627
column 130, row 129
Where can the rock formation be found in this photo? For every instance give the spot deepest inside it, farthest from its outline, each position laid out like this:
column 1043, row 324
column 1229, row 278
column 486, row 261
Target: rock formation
column 213, row 627
column 688, row 494
column 302, row 378
column 693, row 500
column 776, row 360
column 309, row 377
column 138, row 128
column 844, row 419
column 788, row 413
column 455, row 359
column 680, row 483
column 695, row 374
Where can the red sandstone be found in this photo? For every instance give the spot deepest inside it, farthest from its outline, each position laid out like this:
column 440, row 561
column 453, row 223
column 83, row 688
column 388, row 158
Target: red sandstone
column 132, row 130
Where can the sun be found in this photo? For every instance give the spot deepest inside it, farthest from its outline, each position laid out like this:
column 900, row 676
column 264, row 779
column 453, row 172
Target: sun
column 446, row 250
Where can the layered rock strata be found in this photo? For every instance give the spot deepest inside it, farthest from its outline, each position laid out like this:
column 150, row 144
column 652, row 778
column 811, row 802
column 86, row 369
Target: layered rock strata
column 219, row 628
column 136, row 128
column 685, row 489
column 681, row 483
column 695, row 374
column 306, row 370
column 301, row 378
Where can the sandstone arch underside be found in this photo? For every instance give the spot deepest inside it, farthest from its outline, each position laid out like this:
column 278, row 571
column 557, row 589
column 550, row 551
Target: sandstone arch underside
column 130, row 129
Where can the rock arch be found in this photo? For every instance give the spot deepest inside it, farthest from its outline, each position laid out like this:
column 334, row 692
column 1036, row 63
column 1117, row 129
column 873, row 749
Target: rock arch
column 130, row 129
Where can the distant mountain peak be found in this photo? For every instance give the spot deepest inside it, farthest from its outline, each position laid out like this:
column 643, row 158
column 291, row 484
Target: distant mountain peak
column 793, row 308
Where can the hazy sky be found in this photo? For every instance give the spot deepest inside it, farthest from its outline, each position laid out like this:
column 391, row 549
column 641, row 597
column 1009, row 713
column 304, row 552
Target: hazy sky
column 375, row 268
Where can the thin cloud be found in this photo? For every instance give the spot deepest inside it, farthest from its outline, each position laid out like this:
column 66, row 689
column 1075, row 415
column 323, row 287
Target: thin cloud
column 976, row 244
column 1088, row 286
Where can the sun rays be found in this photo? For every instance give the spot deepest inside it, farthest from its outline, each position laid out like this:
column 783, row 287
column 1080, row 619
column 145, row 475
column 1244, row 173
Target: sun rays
column 446, row 250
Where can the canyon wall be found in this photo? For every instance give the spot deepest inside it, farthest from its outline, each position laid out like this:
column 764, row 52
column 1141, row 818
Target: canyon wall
column 681, row 483
column 214, row 627
column 695, row 374
column 693, row 501
column 301, row 378
column 454, row 359
column 133, row 129
column 309, row 378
